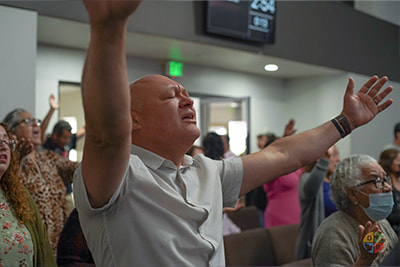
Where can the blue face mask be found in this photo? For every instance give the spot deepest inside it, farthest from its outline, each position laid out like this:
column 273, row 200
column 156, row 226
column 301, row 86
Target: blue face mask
column 380, row 205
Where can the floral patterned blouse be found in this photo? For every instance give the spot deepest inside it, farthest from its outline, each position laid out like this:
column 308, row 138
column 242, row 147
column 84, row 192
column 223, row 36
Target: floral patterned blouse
column 43, row 177
column 16, row 247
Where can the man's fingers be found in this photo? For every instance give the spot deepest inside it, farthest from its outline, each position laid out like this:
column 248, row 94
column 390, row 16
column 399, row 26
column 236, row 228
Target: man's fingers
column 350, row 87
column 379, row 97
column 375, row 89
column 368, row 84
column 385, row 105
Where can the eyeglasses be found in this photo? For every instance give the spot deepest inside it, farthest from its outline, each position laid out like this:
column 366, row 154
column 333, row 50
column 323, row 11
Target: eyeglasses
column 379, row 182
column 10, row 143
column 30, row 122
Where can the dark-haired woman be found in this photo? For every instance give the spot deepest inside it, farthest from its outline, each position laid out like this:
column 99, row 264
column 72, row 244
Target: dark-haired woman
column 390, row 162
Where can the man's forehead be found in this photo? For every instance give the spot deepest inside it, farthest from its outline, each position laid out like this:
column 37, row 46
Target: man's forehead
column 156, row 82
column 66, row 132
column 154, row 78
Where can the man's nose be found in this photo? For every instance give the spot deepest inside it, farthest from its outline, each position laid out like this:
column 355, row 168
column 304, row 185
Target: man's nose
column 186, row 101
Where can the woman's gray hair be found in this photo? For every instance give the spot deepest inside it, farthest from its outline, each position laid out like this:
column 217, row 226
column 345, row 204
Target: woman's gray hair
column 346, row 175
column 13, row 118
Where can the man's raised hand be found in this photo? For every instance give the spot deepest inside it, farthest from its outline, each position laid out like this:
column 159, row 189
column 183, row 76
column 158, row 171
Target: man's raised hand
column 362, row 107
column 102, row 11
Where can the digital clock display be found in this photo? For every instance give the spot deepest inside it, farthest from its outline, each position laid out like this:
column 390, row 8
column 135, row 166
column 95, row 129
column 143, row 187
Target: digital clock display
column 247, row 20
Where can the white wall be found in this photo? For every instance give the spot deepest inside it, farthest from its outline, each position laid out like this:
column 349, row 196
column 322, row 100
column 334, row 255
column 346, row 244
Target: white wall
column 17, row 59
column 314, row 100
column 371, row 138
column 318, row 99
column 53, row 65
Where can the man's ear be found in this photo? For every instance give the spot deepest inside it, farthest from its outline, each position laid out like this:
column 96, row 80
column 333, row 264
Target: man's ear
column 135, row 121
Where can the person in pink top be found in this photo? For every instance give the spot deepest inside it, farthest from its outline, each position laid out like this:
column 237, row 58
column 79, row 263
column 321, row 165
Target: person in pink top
column 283, row 201
column 282, row 193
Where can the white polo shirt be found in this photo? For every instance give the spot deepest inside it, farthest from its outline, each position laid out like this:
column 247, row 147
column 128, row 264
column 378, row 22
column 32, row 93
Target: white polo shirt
column 161, row 215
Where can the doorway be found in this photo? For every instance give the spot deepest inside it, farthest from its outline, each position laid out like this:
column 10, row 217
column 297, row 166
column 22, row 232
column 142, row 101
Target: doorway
column 226, row 116
column 71, row 110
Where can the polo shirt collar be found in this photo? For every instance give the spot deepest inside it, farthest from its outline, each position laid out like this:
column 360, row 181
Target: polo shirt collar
column 154, row 161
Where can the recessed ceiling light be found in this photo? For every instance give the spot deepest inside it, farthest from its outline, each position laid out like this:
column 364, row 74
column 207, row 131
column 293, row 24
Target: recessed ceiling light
column 271, row 67
column 234, row 105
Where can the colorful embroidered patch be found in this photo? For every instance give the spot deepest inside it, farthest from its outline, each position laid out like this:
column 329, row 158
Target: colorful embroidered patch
column 373, row 242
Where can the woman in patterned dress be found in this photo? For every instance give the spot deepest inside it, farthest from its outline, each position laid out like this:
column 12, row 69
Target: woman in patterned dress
column 23, row 238
column 43, row 173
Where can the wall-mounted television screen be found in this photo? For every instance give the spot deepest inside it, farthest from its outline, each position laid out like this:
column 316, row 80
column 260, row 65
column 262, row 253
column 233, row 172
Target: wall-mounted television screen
column 247, row 20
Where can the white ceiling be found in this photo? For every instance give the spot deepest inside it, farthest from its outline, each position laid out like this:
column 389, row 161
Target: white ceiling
column 76, row 35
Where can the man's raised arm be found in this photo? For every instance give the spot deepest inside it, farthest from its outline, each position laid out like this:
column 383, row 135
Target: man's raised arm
column 106, row 99
column 290, row 153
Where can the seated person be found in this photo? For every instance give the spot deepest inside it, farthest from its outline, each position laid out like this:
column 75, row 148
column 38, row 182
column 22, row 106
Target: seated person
column 362, row 193
column 229, row 227
column 390, row 162
column 72, row 249
column 315, row 201
column 283, row 200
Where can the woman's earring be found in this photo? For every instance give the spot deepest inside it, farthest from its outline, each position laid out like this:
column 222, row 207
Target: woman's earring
column 355, row 202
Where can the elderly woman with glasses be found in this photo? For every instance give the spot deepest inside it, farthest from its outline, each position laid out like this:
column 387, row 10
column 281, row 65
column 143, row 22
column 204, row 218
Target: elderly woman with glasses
column 358, row 234
column 23, row 238
column 43, row 173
